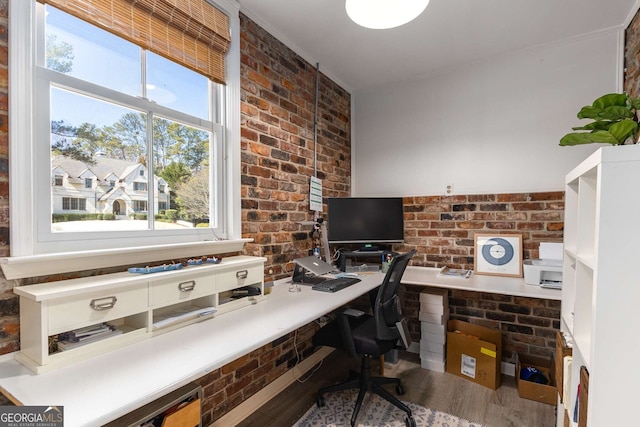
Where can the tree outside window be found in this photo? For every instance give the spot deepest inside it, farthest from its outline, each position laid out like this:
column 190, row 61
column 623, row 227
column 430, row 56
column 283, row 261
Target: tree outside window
column 110, row 134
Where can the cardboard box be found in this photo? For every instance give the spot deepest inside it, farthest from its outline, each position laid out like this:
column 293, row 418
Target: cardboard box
column 562, row 350
column 432, row 347
column 434, row 338
column 433, row 328
column 436, row 357
column 438, row 319
column 474, row 353
column 433, row 357
column 433, row 365
column 545, row 393
column 432, row 308
column 437, row 296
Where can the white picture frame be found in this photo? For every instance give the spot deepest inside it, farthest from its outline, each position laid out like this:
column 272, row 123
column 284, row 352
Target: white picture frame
column 498, row 254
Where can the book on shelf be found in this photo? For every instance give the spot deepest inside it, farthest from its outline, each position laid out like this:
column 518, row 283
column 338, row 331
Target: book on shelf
column 181, row 314
column 88, row 332
column 455, row 272
column 82, row 336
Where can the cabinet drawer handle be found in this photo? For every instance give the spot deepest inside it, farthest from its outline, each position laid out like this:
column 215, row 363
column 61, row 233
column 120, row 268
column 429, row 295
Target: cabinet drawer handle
column 187, row 286
column 242, row 274
column 100, row 304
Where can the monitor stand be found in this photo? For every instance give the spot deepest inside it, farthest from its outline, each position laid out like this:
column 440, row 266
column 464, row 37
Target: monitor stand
column 377, row 255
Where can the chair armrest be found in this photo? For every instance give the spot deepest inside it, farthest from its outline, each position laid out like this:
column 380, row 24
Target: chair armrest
column 345, row 332
column 353, row 312
column 405, row 336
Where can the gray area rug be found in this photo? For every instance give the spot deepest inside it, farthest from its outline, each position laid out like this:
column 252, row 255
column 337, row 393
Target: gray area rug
column 375, row 412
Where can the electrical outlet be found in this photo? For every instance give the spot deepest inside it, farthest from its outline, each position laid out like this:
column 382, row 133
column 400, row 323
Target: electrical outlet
column 449, row 189
column 323, row 321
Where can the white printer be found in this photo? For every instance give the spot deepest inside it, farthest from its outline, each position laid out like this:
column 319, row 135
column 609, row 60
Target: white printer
column 547, row 270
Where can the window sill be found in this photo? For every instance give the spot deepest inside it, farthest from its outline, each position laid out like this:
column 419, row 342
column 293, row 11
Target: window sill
column 42, row 265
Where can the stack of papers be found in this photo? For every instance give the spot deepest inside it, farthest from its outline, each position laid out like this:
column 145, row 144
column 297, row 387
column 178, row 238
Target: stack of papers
column 180, row 315
column 454, row 272
column 86, row 335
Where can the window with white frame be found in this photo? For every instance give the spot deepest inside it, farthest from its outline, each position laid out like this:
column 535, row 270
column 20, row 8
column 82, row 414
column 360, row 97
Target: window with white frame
column 74, row 204
column 107, row 106
column 140, row 186
column 140, row 205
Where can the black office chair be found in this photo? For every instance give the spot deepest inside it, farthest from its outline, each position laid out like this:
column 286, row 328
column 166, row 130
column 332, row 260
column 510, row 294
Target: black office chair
column 371, row 337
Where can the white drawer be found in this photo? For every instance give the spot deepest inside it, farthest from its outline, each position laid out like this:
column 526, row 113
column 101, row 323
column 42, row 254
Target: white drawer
column 238, row 277
column 95, row 307
column 171, row 291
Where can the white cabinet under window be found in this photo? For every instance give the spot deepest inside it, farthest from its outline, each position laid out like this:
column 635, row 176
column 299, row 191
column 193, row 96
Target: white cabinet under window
column 115, row 310
column 601, row 287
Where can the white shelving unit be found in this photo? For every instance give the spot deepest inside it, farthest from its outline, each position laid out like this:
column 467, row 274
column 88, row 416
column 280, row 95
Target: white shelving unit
column 131, row 303
column 601, row 289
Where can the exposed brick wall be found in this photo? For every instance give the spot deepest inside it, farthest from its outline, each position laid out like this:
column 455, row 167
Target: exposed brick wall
column 277, row 160
column 227, row 387
column 278, row 93
column 528, row 325
column 442, row 228
column 278, row 90
column 632, row 58
column 277, row 138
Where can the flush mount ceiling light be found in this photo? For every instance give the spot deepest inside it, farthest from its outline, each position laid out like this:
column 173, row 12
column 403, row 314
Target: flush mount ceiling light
column 382, row 14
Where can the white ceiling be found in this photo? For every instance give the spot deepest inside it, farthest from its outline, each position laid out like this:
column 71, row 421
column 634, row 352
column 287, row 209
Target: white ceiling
column 449, row 33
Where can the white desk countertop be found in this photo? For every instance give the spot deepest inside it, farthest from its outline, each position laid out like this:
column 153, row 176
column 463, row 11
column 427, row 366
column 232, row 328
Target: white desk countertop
column 103, row 388
column 516, row 286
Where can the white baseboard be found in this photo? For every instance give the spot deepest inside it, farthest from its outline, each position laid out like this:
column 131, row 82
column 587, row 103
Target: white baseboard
column 252, row 404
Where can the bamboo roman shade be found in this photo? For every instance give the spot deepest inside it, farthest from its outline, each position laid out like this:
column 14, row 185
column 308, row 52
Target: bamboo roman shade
column 192, row 33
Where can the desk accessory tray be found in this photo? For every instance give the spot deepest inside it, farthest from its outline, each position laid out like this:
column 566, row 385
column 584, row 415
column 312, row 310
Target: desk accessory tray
column 156, row 269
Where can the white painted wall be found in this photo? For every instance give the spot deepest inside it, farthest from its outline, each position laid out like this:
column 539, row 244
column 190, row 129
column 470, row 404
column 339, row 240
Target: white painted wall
column 487, row 127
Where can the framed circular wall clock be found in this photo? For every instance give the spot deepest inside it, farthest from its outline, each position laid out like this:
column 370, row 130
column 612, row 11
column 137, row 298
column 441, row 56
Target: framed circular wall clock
column 498, row 254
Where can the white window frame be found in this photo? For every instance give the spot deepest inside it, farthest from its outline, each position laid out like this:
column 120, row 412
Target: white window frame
column 69, row 202
column 26, row 238
column 139, row 186
column 139, row 204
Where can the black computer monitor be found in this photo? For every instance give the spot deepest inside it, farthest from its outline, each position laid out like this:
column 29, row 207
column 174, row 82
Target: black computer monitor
column 365, row 220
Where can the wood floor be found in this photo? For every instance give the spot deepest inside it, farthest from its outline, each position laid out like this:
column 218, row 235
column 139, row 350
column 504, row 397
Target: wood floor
column 444, row 392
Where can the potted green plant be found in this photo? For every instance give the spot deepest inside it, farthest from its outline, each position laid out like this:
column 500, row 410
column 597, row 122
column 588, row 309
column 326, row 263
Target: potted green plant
column 615, row 121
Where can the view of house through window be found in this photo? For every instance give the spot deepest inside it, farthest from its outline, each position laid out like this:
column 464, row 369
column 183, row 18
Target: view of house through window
column 133, row 136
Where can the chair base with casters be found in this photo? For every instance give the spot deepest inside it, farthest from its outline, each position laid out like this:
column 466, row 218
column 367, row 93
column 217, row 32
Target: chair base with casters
column 367, row 383
column 371, row 336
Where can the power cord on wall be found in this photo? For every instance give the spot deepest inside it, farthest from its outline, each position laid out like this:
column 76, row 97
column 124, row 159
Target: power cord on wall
column 298, row 360
column 285, row 268
column 336, row 254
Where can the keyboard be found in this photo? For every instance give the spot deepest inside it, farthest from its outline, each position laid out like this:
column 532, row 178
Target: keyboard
column 334, row 285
